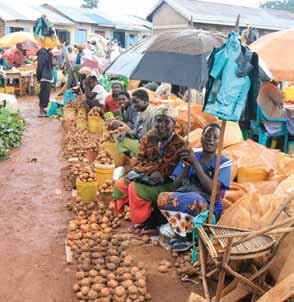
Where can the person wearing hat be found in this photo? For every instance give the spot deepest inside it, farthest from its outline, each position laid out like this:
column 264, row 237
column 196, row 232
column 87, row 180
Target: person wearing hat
column 158, row 155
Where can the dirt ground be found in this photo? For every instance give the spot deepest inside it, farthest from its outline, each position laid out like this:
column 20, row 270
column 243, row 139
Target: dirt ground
column 33, row 222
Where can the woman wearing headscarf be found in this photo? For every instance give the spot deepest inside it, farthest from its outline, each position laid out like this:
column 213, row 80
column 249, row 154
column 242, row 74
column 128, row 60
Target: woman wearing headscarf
column 158, row 155
column 192, row 187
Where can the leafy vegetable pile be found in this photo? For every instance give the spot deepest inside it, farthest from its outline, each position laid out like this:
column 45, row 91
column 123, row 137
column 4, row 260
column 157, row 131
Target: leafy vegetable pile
column 11, row 130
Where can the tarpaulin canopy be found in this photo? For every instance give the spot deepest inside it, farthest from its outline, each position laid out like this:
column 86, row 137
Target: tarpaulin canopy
column 12, row 39
column 176, row 57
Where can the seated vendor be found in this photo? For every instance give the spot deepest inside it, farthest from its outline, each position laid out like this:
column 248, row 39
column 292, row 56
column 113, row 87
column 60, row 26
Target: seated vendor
column 128, row 141
column 111, row 101
column 95, row 93
column 158, row 155
column 271, row 100
column 193, row 187
column 128, row 114
column 128, row 110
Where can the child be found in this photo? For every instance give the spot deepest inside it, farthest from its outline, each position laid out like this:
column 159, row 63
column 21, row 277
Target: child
column 94, row 92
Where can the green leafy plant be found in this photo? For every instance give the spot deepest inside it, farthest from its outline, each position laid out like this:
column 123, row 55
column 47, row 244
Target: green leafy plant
column 11, row 131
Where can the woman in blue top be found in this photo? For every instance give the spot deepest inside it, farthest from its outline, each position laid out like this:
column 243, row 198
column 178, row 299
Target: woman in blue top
column 193, row 184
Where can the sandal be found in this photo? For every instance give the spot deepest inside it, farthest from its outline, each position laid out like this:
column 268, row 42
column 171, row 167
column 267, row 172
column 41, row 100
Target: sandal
column 42, row 115
column 181, row 246
column 151, row 232
column 135, row 228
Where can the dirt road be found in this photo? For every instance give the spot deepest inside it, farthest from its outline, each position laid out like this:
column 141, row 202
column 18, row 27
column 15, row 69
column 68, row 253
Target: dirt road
column 33, row 222
column 33, row 217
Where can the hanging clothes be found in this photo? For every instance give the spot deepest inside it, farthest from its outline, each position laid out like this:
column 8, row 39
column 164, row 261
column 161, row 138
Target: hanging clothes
column 233, row 79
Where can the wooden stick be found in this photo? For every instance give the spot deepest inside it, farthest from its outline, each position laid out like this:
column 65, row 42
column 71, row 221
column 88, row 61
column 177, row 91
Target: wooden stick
column 203, row 268
column 189, row 114
column 244, row 234
column 243, row 279
column 216, row 172
column 263, row 231
column 281, row 208
column 222, row 274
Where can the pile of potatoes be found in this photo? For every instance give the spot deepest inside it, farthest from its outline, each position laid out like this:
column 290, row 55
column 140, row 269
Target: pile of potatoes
column 71, row 104
column 87, row 174
column 104, row 158
column 93, row 147
column 105, row 273
column 107, row 187
column 95, row 111
column 184, row 264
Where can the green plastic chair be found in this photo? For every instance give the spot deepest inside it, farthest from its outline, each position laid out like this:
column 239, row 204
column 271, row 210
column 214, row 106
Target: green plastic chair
column 256, row 127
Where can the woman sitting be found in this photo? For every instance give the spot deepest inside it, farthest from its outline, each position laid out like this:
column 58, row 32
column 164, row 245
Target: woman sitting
column 193, row 187
column 158, row 155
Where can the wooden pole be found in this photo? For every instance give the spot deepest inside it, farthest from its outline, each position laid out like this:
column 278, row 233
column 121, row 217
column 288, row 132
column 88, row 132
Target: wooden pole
column 219, row 154
column 216, row 172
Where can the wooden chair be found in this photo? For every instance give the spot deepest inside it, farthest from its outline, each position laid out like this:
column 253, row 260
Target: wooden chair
column 226, row 244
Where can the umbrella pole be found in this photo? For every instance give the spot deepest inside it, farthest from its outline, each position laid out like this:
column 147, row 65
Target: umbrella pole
column 216, row 173
column 189, row 114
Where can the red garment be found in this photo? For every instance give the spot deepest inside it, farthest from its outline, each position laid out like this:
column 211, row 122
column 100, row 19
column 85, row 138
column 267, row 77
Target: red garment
column 140, row 209
column 111, row 105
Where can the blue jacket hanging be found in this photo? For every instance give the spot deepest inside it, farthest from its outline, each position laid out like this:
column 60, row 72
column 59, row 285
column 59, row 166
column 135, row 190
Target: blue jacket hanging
column 231, row 82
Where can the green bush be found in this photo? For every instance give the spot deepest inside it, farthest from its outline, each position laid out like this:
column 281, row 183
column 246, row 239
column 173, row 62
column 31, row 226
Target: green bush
column 11, row 130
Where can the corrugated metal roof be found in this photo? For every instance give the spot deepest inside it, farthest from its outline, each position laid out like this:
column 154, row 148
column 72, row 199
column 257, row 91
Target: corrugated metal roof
column 82, row 15
column 225, row 14
column 13, row 12
column 55, row 17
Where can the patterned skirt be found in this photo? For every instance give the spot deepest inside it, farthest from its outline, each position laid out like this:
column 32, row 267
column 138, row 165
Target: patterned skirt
column 180, row 208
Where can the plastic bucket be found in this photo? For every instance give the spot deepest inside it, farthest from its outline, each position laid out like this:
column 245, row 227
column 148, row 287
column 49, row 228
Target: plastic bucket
column 81, row 124
column 252, row 175
column 119, row 158
column 91, row 155
column 69, row 114
column 95, row 124
column 104, row 173
column 82, row 112
column 87, row 190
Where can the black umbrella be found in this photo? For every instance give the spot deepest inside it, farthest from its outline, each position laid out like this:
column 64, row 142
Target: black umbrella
column 176, row 57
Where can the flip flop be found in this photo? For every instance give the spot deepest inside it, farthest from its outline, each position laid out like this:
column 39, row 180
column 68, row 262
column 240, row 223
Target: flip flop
column 153, row 232
column 135, row 228
column 181, row 246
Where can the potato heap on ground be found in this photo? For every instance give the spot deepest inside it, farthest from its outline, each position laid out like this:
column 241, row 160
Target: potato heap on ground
column 104, row 158
column 87, row 174
column 107, row 187
column 105, row 273
column 71, row 104
column 95, row 111
column 184, row 264
column 74, row 144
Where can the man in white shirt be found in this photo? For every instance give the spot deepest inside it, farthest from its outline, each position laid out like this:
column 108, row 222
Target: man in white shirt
column 95, row 93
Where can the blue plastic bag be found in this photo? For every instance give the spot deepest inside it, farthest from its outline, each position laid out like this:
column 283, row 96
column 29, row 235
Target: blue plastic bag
column 52, row 109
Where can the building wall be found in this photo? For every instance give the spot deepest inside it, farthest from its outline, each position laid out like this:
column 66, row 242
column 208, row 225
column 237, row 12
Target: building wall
column 167, row 18
column 2, row 27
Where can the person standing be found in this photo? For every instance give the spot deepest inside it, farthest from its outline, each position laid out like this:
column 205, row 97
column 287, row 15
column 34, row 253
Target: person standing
column 45, row 77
